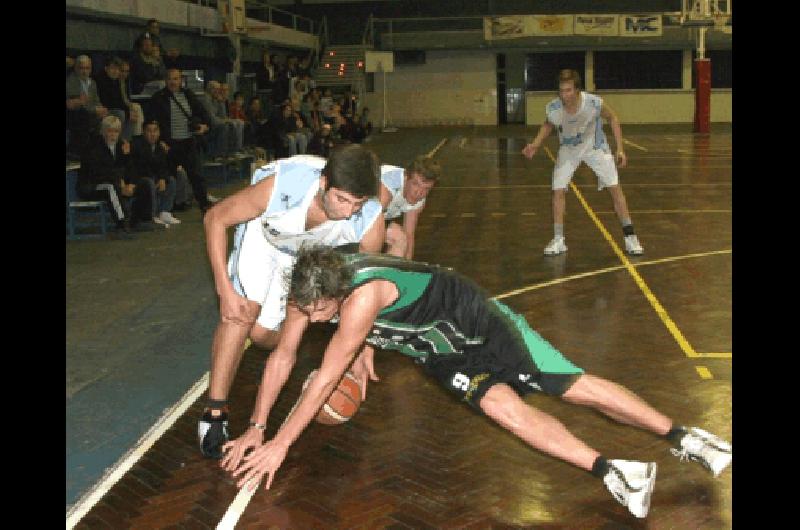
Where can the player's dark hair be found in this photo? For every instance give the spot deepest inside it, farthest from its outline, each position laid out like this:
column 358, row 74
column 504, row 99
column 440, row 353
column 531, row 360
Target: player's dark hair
column 570, row 75
column 354, row 169
column 320, row 272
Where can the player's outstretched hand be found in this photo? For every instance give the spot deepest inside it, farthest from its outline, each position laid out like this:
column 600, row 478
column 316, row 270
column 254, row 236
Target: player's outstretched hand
column 364, row 369
column 529, row 150
column 262, row 460
column 234, row 450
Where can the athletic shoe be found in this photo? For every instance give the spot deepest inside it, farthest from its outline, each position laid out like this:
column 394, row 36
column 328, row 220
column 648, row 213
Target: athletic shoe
column 632, row 245
column 212, row 199
column 631, row 483
column 212, row 433
column 555, row 247
column 168, row 219
column 712, row 452
column 159, row 221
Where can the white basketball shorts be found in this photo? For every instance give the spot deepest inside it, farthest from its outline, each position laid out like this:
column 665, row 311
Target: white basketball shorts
column 599, row 160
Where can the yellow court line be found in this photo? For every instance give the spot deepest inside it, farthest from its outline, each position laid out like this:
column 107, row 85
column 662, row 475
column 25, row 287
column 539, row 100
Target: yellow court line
column 704, row 372
column 659, row 309
column 625, row 140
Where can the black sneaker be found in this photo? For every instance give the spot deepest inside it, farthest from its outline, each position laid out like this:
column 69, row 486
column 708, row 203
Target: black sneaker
column 212, row 433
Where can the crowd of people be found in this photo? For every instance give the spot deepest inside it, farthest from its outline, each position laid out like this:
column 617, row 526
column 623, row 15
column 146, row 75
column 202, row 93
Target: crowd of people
column 286, row 115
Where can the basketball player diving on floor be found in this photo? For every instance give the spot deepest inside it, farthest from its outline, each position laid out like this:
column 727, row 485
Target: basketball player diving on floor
column 473, row 346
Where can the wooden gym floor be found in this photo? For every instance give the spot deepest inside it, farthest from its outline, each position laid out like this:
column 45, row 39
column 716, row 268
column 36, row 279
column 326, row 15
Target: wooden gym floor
column 413, row 457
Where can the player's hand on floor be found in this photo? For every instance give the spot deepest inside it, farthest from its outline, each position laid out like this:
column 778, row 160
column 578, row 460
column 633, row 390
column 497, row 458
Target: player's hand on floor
column 364, row 370
column 262, row 460
column 234, row 450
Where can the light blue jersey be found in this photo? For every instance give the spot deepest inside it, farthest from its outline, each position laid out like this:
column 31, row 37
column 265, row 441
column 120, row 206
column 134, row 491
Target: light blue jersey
column 297, row 181
column 581, row 129
column 393, row 178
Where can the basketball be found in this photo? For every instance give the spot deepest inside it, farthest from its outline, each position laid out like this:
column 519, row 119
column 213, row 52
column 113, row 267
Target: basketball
column 343, row 402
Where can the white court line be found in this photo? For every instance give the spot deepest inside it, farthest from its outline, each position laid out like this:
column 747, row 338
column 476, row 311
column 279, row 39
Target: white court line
column 603, row 271
column 438, row 146
column 123, row 465
column 626, row 141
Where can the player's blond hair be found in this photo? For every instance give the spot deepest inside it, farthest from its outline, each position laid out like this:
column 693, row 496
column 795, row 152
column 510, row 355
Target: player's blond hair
column 568, row 74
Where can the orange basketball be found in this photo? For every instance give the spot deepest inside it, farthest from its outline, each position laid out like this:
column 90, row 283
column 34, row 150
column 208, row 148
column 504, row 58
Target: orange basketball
column 343, row 402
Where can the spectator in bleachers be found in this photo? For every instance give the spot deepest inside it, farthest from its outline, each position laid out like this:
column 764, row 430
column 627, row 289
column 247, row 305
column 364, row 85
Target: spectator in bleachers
column 266, row 74
column 257, row 127
column 289, row 131
column 70, row 64
column 348, row 104
column 236, row 107
column 300, row 87
column 153, row 32
column 221, row 135
column 149, row 161
column 146, row 66
column 325, row 104
column 109, row 90
column 181, row 119
column 304, row 67
column 133, row 127
column 322, row 142
column 238, row 123
column 280, row 88
column 104, row 176
column 84, row 110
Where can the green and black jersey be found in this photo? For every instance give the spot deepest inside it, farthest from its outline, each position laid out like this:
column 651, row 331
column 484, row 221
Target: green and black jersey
column 466, row 341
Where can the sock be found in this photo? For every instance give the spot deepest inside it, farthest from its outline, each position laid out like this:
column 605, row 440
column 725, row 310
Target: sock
column 558, row 230
column 217, row 406
column 600, row 467
column 676, row 434
column 627, row 229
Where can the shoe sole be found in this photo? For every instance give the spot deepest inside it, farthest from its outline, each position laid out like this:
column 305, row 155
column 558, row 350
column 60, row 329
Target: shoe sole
column 652, row 469
column 554, row 253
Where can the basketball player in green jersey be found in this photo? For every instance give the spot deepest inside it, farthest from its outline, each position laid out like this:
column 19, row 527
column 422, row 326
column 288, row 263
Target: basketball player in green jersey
column 478, row 348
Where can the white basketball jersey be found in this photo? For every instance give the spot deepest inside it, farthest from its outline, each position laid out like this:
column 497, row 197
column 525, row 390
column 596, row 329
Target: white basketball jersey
column 393, row 178
column 297, row 181
column 583, row 128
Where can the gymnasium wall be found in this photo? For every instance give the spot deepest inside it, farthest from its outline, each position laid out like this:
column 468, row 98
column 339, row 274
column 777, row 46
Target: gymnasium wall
column 451, row 87
column 643, row 106
column 459, row 88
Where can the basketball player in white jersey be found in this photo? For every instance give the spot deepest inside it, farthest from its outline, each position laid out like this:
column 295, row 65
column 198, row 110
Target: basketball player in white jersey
column 578, row 117
column 402, row 195
column 290, row 201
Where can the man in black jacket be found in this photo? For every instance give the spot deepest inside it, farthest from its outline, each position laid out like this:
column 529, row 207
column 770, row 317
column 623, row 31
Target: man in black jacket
column 149, row 161
column 182, row 120
column 104, row 176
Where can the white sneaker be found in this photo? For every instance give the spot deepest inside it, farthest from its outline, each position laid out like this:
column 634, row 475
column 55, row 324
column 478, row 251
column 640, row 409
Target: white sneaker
column 212, row 199
column 632, row 245
column 167, row 217
column 159, row 221
column 632, row 483
column 555, row 247
column 711, row 451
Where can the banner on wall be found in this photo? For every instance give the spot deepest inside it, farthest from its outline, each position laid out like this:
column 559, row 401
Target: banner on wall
column 552, row 24
column 596, row 25
column 511, row 27
column 640, row 25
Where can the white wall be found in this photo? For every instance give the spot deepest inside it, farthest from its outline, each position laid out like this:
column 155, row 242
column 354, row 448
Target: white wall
column 452, row 87
column 644, row 106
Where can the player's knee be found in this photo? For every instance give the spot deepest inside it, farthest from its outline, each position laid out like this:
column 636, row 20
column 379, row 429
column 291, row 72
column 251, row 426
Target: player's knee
column 582, row 390
column 263, row 337
column 498, row 402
